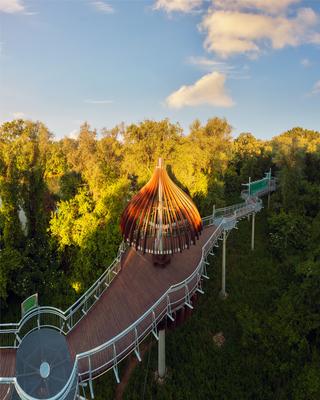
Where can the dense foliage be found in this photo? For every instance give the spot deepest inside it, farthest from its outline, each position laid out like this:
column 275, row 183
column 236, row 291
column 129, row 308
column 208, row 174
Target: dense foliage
column 59, row 229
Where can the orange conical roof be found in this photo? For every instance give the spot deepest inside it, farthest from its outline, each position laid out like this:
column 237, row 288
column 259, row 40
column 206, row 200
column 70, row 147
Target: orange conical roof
column 161, row 218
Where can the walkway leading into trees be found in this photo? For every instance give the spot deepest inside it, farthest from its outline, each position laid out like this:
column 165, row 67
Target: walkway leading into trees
column 134, row 291
column 120, row 309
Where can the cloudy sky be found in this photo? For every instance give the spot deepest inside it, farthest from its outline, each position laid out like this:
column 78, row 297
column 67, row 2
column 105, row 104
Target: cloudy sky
column 255, row 62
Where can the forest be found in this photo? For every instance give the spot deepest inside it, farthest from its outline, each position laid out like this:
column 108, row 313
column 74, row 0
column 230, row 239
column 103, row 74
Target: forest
column 72, row 193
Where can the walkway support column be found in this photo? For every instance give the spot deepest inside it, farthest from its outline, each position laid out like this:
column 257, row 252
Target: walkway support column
column 162, row 354
column 223, row 293
column 252, row 233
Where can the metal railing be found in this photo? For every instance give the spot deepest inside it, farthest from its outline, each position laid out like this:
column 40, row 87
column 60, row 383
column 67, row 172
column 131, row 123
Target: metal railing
column 71, row 385
column 11, row 334
column 106, row 356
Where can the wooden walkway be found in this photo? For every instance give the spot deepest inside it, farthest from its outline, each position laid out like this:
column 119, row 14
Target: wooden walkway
column 7, row 368
column 137, row 287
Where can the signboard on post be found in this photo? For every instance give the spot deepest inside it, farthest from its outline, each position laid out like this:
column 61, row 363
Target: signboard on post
column 257, row 186
column 29, row 303
column 261, row 185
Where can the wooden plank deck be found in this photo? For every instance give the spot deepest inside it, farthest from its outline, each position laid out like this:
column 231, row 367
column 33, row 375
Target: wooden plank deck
column 7, row 369
column 137, row 287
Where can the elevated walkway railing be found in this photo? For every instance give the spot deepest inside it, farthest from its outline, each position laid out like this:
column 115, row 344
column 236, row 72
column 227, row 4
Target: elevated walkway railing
column 70, row 387
column 90, row 364
column 11, row 334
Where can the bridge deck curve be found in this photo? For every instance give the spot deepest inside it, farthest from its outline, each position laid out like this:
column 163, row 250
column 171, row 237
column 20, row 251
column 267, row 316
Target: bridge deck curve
column 136, row 288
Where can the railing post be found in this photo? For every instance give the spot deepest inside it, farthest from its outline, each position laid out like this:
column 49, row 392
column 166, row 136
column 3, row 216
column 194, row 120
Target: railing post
column 115, row 364
column 223, row 293
column 252, row 233
column 136, row 350
column 169, row 311
column 269, row 188
column 154, row 326
column 187, row 301
column 90, row 379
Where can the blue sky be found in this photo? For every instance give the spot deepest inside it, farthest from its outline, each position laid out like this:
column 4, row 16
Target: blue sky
column 255, row 62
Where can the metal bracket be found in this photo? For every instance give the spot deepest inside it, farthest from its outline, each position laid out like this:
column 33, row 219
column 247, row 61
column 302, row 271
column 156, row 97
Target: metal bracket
column 90, row 380
column 18, row 338
column 204, row 271
column 199, row 288
column 136, row 350
column 62, row 326
column 169, row 311
column 187, row 296
column 115, row 366
column 154, row 326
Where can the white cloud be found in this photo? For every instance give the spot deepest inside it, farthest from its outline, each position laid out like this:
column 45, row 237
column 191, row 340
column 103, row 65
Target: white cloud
column 306, row 62
column 103, row 7
column 90, row 101
column 11, row 6
column 315, row 38
column 316, row 88
column 74, row 134
column 208, row 90
column 232, row 32
column 205, row 62
column 269, row 6
column 177, row 5
column 209, row 65
column 18, row 115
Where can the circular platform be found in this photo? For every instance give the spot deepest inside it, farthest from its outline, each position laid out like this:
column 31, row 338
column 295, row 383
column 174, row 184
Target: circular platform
column 43, row 364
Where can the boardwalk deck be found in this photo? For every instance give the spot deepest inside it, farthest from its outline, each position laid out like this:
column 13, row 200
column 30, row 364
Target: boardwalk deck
column 138, row 286
column 7, row 369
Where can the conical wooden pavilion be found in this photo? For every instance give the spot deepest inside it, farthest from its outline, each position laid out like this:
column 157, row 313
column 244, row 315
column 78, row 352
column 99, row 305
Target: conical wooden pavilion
column 161, row 219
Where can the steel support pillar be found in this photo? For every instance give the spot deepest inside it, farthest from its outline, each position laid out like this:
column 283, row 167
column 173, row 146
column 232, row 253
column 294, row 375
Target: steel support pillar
column 223, row 293
column 162, row 353
column 252, row 233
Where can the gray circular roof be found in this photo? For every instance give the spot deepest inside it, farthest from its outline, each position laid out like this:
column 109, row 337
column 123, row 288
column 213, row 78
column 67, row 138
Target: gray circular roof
column 43, row 364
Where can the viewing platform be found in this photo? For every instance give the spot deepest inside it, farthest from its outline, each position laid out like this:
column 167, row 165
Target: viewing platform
column 108, row 322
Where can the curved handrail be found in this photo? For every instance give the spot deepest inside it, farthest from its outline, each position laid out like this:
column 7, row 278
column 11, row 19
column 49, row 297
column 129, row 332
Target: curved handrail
column 231, row 216
column 67, row 320
column 212, row 240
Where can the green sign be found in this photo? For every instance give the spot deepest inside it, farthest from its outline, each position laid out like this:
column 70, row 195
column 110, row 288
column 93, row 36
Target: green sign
column 30, row 303
column 257, row 186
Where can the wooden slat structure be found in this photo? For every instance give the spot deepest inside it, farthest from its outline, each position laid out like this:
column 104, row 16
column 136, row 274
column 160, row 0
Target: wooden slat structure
column 161, row 219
